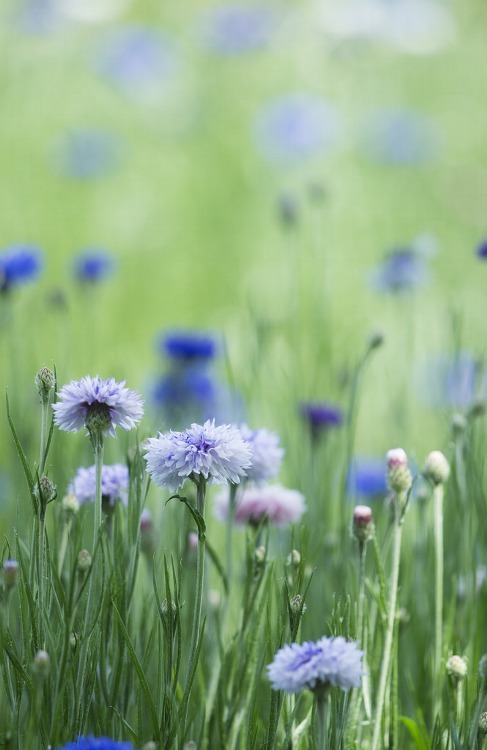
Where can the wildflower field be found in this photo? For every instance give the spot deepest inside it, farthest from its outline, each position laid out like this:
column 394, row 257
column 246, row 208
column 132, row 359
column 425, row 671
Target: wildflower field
column 243, row 375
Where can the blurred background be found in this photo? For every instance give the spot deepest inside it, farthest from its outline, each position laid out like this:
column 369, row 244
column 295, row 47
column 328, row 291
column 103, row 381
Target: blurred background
column 285, row 178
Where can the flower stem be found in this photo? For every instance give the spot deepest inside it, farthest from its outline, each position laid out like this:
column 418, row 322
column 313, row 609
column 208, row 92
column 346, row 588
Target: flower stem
column 386, row 658
column 98, row 475
column 230, row 520
column 44, row 433
column 438, row 512
column 322, row 719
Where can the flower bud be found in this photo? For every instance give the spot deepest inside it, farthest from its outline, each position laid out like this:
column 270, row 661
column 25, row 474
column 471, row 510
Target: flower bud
column 214, row 598
column 73, row 640
column 47, row 490
column 483, row 723
column 456, row 667
column 458, row 424
column 10, row 573
column 293, row 560
column 151, row 745
column 436, row 467
column 376, row 339
column 191, row 745
column 70, row 504
column 42, row 663
column 84, row 561
column 363, row 524
column 483, row 668
column 45, row 382
column 399, row 476
column 259, row 555
column 166, row 612
column 297, row 606
column 477, row 409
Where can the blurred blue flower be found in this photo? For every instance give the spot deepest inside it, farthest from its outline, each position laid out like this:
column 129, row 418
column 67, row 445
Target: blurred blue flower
column 400, row 137
column 186, row 395
column 482, row 249
column 236, row 28
column 137, row 60
column 320, row 417
column 452, row 381
column 96, row 743
column 92, row 266
column 405, row 268
column 86, row 154
column 18, row 264
column 295, row 126
column 39, row 17
column 188, row 346
column 366, row 478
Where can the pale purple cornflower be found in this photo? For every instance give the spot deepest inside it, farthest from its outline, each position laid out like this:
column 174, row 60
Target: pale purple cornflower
column 83, row 400
column 218, row 453
column 278, row 504
column 266, row 452
column 114, row 484
column 329, row 661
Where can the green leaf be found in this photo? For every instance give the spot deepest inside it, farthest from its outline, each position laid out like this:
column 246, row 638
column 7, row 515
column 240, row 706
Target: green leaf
column 23, row 460
column 200, row 521
column 420, row 741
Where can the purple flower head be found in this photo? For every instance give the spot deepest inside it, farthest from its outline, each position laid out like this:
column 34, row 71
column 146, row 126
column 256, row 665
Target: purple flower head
column 329, row 661
column 82, row 399
column 96, row 743
column 18, row 264
column 278, row 504
column 217, row 453
column 294, row 127
column 405, row 268
column 137, row 60
column 233, row 29
column 86, row 154
column 367, row 479
column 267, row 454
column 114, row 484
column 92, row 265
column 185, row 346
column 401, row 137
column 482, row 250
column 321, row 416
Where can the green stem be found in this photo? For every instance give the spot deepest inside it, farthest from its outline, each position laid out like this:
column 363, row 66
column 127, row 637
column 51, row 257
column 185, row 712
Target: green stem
column 44, row 433
column 438, row 513
column 98, row 475
column 386, row 658
column 64, row 545
column 322, row 719
column 40, row 604
column 355, row 702
column 232, row 505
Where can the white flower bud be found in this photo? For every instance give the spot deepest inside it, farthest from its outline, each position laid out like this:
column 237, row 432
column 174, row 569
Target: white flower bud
column 363, row 524
column 70, row 504
column 436, row 467
column 456, row 667
column 399, row 476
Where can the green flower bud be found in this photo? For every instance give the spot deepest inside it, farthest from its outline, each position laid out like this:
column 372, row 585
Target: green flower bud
column 45, row 382
column 436, row 467
column 84, row 561
column 456, row 667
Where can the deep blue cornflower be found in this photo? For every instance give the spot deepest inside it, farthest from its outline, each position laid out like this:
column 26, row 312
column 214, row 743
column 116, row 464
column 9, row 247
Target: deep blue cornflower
column 295, row 127
column 92, row 266
column 96, row 743
column 400, row 137
column 366, row 478
column 138, row 60
column 482, row 250
column 321, row 416
column 187, row 346
column 86, row 153
column 233, row 29
column 18, row 264
column 329, row 661
column 216, row 453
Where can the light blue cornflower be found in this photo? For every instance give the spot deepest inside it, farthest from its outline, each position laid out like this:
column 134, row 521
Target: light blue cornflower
column 217, row 453
column 92, row 265
column 96, row 743
column 138, row 60
column 295, row 127
column 86, row 153
column 81, row 401
column 329, row 661
column 266, row 451
column 451, row 381
column 18, row 264
column 236, row 28
column 400, row 136
column 114, row 484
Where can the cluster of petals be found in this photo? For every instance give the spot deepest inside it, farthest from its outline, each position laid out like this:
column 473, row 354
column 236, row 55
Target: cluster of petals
column 267, row 454
column 216, row 453
column 280, row 505
column 125, row 407
column 329, row 661
column 114, row 484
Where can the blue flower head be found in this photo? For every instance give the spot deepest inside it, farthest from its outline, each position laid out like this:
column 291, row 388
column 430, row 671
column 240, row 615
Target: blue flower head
column 321, row 416
column 329, row 661
column 452, row 381
column 401, row 137
column 482, row 250
column 86, row 153
column 366, row 478
column 186, row 346
column 96, row 743
column 187, row 394
column 18, row 264
column 233, row 29
column 405, row 268
column 114, row 484
column 295, row 127
column 92, row 266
